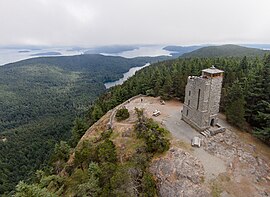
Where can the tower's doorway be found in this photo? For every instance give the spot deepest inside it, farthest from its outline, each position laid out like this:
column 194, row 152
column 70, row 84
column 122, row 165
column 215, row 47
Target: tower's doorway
column 212, row 123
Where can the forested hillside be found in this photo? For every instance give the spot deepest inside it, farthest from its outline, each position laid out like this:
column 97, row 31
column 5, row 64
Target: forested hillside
column 39, row 100
column 180, row 50
column 96, row 171
column 228, row 50
column 100, row 166
column 245, row 94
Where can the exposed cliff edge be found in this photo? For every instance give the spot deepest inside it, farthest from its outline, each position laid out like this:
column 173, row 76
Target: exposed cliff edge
column 178, row 173
column 213, row 170
column 146, row 155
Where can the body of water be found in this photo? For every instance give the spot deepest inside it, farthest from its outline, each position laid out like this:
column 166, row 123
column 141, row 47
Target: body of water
column 9, row 55
column 14, row 55
column 150, row 51
column 128, row 74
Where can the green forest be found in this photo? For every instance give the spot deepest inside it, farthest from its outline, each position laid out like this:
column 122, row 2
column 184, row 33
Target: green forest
column 39, row 101
column 228, row 50
column 245, row 94
column 48, row 100
column 97, row 171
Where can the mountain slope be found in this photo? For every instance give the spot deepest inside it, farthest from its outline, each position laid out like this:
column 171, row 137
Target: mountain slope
column 39, row 100
column 107, row 162
column 225, row 51
column 245, row 87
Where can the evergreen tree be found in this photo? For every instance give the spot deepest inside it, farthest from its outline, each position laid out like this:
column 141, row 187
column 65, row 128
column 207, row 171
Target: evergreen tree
column 78, row 131
column 91, row 188
column 263, row 108
column 60, row 155
column 97, row 113
column 244, row 64
column 34, row 190
column 84, row 154
column 253, row 96
column 61, row 151
column 106, row 151
column 235, row 107
column 167, row 88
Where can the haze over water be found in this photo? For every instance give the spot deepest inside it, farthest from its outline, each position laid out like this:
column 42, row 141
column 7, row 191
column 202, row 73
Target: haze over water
column 8, row 55
column 14, row 55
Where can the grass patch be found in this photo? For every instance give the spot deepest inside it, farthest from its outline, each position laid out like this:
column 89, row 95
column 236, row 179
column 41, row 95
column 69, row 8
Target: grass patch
column 183, row 145
column 134, row 144
column 128, row 145
column 216, row 189
column 224, row 177
column 115, row 135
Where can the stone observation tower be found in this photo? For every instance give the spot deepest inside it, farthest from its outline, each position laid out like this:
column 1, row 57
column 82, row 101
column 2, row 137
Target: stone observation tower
column 202, row 99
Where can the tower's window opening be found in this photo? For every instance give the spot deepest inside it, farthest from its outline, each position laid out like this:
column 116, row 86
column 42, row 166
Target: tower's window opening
column 188, row 102
column 189, row 93
column 198, row 101
column 216, row 75
column 187, row 112
column 212, row 122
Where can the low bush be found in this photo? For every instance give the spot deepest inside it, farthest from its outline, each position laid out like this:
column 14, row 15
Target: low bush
column 122, row 114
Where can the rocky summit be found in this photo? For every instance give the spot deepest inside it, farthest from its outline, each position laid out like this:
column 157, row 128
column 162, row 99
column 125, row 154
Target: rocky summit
column 178, row 173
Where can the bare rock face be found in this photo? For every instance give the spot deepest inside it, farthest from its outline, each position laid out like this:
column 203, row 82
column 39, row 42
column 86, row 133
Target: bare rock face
column 178, row 173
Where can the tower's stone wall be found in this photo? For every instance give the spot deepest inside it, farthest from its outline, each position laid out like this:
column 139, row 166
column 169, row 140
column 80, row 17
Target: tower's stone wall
column 202, row 98
column 216, row 87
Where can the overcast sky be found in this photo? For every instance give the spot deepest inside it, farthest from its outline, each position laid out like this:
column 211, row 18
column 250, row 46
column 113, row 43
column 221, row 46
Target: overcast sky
column 106, row 22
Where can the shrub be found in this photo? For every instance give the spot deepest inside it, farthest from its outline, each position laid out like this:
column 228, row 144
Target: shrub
column 122, row 114
column 150, row 92
column 84, row 154
column 106, row 134
column 154, row 136
column 148, row 185
column 107, row 151
column 61, row 151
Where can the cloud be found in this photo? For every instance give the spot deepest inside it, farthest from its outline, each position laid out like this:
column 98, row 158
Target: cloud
column 104, row 22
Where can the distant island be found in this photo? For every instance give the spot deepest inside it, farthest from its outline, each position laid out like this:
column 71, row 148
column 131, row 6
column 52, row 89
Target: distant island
column 46, row 54
column 258, row 46
column 23, row 51
column 110, row 49
column 76, row 49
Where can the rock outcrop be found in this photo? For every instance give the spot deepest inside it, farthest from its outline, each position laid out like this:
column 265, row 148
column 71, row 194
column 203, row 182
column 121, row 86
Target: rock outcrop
column 178, row 173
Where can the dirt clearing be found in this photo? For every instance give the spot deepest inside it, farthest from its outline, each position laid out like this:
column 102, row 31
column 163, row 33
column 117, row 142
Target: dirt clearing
column 231, row 154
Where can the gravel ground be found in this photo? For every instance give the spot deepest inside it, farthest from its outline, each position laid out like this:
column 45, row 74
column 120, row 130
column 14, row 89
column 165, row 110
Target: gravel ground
column 171, row 118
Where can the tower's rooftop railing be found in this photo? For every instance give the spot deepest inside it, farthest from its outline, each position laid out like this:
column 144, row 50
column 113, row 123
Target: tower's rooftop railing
column 212, row 70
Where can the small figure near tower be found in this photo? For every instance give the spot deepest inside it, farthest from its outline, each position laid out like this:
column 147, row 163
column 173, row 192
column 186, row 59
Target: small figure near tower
column 202, row 98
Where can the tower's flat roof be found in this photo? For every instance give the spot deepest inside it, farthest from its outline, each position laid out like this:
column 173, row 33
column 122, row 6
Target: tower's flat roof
column 212, row 70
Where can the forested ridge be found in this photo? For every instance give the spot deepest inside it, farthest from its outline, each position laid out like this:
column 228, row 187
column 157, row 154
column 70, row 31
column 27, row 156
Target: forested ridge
column 48, row 94
column 96, row 170
column 39, row 100
column 99, row 167
column 228, row 50
column 245, row 94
